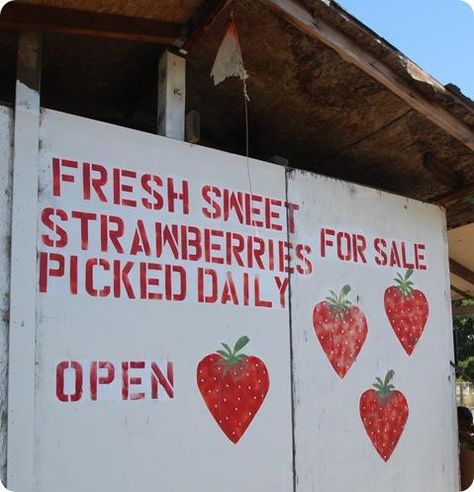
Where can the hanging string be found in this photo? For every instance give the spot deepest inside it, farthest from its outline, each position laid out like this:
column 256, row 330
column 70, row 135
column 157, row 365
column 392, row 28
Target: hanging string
column 247, row 147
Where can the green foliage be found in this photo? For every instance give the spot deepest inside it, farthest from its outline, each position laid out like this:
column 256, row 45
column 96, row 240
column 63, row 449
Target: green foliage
column 464, row 333
column 467, row 365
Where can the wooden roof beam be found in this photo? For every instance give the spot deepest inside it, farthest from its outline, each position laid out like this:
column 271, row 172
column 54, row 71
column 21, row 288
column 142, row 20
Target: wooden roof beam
column 441, row 171
column 461, row 271
column 351, row 52
column 463, row 310
column 203, row 21
column 461, row 292
column 28, row 17
column 453, row 197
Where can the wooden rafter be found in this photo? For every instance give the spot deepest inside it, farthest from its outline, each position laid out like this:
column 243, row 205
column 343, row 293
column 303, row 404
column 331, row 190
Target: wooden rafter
column 461, row 271
column 453, row 197
column 203, row 22
column 441, row 171
column 463, row 310
column 350, row 51
column 461, row 292
column 28, row 17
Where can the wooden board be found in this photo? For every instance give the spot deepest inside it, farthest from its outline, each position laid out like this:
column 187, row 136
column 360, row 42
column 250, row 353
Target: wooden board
column 6, row 131
column 116, row 442
column 334, row 367
column 152, row 252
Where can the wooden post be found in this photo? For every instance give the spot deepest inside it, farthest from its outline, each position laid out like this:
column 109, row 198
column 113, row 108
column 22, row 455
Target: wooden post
column 21, row 380
column 171, row 95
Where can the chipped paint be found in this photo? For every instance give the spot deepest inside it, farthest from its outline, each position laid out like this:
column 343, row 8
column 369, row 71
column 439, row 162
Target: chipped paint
column 6, row 135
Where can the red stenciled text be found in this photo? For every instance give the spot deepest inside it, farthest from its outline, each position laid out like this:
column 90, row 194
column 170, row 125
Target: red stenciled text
column 110, row 380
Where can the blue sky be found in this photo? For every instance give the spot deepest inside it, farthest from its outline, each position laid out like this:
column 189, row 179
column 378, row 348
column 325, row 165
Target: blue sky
column 438, row 35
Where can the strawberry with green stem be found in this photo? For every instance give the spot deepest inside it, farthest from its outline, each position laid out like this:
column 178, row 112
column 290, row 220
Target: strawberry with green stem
column 407, row 310
column 341, row 329
column 384, row 413
column 233, row 386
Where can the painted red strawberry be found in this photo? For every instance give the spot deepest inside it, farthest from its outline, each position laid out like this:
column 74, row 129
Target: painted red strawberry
column 384, row 413
column 341, row 329
column 233, row 386
column 407, row 310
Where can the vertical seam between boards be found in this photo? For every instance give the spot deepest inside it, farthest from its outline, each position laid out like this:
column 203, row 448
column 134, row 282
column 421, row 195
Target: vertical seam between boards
column 290, row 325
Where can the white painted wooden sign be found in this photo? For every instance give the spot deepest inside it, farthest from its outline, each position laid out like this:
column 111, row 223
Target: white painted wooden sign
column 204, row 323
column 374, row 312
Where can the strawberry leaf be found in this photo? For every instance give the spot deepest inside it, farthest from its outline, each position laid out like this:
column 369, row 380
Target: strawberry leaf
column 384, row 388
column 229, row 356
column 241, row 343
column 404, row 285
column 337, row 302
column 227, row 347
column 345, row 290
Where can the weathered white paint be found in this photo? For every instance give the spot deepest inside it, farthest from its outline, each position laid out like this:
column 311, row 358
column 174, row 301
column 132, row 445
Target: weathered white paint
column 21, row 377
column 171, row 95
column 333, row 451
column 170, row 444
column 6, row 156
column 104, row 442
